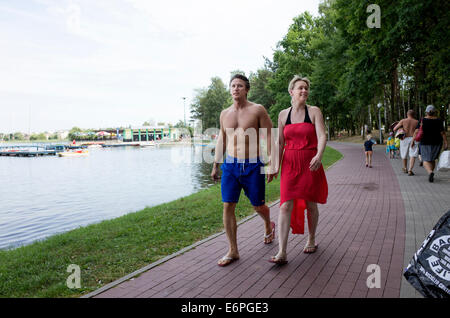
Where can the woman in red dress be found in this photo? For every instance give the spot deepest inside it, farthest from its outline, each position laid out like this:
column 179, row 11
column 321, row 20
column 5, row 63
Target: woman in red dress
column 303, row 184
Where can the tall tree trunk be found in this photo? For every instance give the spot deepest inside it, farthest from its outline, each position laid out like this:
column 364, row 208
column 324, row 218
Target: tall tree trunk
column 386, row 106
column 394, row 80
column 409, row 100
column 398, row 98
column 417, row 108
column 403, row 102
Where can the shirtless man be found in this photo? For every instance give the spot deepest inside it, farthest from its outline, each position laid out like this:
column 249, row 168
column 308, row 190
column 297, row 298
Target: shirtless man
column 409, row 125
column 239, row 138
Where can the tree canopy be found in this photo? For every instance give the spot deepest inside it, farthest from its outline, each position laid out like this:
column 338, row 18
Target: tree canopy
column 354, row 65
column 209, row 102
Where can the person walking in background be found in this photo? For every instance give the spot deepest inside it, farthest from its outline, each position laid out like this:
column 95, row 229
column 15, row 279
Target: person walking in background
column 397, row 147
column 390, row 145
column 368, row 151
column 433, row 139
column 302, row 141
column 408, row 124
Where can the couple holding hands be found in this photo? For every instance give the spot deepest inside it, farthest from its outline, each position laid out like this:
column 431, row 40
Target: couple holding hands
column 301, row 141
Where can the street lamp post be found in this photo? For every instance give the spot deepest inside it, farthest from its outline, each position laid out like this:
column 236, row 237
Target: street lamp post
column 379, row 121
column 328, row 124
column 184, row 107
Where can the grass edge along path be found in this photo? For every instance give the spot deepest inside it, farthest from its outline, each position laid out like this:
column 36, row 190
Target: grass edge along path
column 112, row 249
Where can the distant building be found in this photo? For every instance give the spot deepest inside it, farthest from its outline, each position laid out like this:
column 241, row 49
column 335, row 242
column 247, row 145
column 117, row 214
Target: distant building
column 147, row 133
column 62, row 134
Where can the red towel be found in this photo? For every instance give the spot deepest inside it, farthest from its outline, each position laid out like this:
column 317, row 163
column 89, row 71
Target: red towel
column 298, row 217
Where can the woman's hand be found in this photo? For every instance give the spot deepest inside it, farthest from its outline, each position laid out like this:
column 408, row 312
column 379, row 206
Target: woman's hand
column 315, row 163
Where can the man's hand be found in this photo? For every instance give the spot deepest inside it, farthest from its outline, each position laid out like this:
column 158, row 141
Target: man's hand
column 215, row 173
column 315, row 163
column 271, row 176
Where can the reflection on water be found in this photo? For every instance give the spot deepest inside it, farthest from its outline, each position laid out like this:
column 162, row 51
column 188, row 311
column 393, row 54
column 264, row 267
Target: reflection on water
column 47, row 195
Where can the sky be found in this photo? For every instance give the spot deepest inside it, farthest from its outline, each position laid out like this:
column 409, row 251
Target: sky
column 111, row 63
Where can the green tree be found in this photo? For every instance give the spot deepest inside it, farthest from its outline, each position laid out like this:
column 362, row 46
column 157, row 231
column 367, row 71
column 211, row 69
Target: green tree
column 232, row 73
column 259, row 91
column 18, row 136
column 208, row 103
column 74, row 133
column 180, row 124
column 40, row 136
column 327, row 69
column 294, row 55
column 352, row 66
column 423, row 26
column 197, row 106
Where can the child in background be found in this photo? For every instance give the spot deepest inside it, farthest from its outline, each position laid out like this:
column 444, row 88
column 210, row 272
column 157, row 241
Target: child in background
column 368, row 150
column 390, row 146
column 397, row 146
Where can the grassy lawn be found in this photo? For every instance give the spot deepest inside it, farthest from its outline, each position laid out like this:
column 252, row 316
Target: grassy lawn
column 114, row 248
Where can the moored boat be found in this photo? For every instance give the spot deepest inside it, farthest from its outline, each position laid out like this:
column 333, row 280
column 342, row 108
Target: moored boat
column 77, row 153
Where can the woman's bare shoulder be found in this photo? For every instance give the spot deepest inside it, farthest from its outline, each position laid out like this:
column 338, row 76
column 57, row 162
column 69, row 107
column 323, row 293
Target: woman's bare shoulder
column 314, row 109
column 283, row 114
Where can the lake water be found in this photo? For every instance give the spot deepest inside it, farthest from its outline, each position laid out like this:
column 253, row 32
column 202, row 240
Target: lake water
column 42, row 196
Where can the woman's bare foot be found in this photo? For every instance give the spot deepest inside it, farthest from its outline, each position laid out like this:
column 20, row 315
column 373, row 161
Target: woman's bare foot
column 279, row 259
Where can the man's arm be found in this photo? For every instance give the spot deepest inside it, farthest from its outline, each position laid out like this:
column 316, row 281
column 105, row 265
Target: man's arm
column 413, row 141
column 219, row 150
column 400, row 124
column 265, row 123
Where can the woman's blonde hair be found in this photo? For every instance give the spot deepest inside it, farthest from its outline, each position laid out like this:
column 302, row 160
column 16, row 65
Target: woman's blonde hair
column 297, row 78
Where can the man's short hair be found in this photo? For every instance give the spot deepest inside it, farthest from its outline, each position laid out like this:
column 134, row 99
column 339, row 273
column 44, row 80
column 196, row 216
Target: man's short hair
column 241, row 77
column 411, row 112
column 297, row 78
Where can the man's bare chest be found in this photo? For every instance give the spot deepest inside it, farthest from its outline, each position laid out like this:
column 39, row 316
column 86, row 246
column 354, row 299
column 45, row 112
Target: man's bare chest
column 241, row 120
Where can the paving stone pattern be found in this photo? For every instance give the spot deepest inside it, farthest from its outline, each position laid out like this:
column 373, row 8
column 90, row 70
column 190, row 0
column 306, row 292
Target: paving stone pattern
column 425, row 203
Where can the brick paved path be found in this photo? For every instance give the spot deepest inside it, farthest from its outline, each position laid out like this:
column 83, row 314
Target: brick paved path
column 364, row 222
column 425, row 203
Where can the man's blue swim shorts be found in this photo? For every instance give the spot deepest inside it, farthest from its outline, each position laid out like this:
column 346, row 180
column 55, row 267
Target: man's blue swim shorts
column 244, row 174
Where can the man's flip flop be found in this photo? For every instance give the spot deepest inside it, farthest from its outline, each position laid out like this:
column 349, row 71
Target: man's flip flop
column 312, row 249
column 271, row 235
column 226, row 260
column 278, row 261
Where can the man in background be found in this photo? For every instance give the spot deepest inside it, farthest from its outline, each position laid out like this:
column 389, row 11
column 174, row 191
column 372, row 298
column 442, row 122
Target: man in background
column 409, row 125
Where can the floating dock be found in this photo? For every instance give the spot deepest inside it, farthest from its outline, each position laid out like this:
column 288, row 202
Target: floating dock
column 27, row 153
column 31, row 150
column 120, row 145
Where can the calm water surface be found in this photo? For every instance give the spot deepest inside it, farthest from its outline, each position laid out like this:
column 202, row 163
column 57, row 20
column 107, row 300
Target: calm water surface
column 43, row 196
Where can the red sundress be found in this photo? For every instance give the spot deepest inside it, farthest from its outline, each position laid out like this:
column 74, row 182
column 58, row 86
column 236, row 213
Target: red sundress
column 298, row 182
